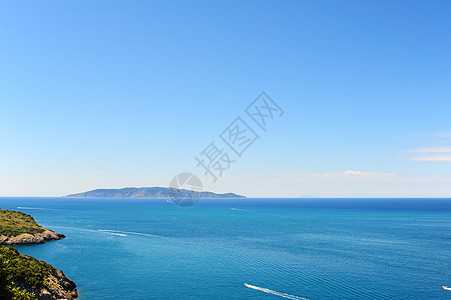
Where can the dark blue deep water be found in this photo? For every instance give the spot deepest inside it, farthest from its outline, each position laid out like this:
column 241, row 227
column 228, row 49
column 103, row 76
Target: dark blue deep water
column 309, row 248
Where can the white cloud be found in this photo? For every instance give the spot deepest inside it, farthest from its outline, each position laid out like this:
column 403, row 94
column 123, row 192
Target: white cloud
column 446, row 149
column 356, row 183
column 432, row 154
column 432, row 158
column 360, row 173
column 444, row 134
column 346, row 175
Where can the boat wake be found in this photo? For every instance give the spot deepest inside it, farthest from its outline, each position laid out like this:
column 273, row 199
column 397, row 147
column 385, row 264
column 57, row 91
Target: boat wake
column 280, row 294
column 112, row 233
column 36, row 208
column 233, row 208
column 127, row 232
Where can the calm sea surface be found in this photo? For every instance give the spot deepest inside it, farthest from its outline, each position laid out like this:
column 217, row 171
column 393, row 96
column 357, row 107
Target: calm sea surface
column 304, row 248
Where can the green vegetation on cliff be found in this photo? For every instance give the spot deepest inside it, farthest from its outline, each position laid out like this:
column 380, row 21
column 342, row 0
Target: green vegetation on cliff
column 14, row 223
column 23, row 277
column 19, row 273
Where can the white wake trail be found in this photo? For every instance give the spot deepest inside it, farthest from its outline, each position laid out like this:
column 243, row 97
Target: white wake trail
column 280, row 294
column 129, row 232
column 37, row 208
column 239, row 209
column 112, row 233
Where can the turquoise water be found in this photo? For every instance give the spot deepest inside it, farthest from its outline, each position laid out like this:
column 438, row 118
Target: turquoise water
column 315, row 249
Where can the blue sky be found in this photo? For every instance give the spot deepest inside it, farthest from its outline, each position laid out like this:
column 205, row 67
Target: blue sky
column 108, row 94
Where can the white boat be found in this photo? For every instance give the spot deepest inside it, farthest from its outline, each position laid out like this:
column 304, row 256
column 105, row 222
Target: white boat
column 446, row 288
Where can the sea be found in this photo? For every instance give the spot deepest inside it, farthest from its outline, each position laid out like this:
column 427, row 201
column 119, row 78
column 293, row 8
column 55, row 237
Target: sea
column 247, row 248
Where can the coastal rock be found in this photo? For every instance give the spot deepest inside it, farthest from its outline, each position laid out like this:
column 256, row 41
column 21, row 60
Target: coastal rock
column 25, row 277
column 26, row 238
column 59, row 287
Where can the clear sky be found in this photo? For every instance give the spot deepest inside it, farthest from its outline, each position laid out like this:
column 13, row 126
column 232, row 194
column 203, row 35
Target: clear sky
column 109, row 94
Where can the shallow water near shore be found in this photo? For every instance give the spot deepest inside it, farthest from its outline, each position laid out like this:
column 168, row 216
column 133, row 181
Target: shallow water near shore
column 304, row 248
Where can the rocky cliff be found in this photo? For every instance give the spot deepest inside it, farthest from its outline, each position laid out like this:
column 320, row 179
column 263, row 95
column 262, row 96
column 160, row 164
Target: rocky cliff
column 25, row 277
column 35, row 238
column 22, row 276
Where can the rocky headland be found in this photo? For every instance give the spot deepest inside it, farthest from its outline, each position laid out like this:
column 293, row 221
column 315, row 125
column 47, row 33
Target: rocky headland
column 35, row 238
column 22, row 276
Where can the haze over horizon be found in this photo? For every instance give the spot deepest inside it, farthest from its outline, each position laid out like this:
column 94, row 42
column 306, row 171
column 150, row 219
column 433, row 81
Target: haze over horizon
column 126, row 94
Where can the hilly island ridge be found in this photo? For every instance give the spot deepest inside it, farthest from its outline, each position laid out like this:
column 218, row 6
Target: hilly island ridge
column 147, row 192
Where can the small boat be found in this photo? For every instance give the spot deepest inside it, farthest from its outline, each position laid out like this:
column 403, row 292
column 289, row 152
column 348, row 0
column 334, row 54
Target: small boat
column 446, row 288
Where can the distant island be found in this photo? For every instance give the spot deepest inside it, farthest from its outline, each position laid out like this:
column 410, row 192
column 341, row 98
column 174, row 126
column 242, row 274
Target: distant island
column 147, row 192
column 22, row 276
